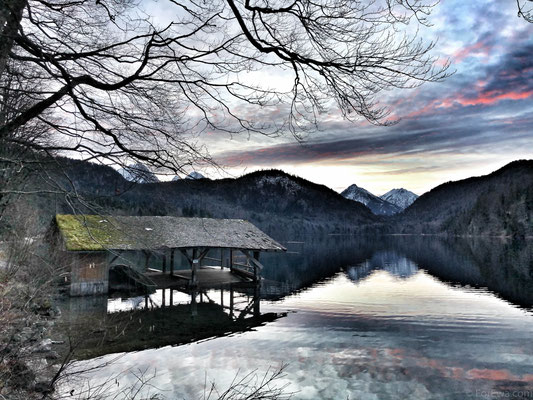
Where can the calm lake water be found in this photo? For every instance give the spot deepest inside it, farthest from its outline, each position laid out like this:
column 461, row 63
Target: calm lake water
column 353, row 318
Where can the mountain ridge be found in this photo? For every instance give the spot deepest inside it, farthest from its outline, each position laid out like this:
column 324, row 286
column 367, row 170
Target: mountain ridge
column 401, row 197
column 377, row 205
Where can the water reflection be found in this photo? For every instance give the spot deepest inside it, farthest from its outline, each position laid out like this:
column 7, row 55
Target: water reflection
column 166, row 317
column 505, row 267
column 371, row 318
column 390, row 261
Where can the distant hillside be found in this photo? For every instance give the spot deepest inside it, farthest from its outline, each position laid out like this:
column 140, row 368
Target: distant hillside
column 499, row 204
column 273, row 200
column 377, row 205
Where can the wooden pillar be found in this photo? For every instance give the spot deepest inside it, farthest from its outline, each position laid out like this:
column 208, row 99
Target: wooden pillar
column 147, row 259
column 257, row 272
column 146, row 302
column 194, row 266
column 164, row 263
column 171, row 261
column 194, row 306
column 221, row 258
column 171, row 297
column 257, row 310
column 163, row 298
column 231, row 259
column 222, row 297
column 231, row 302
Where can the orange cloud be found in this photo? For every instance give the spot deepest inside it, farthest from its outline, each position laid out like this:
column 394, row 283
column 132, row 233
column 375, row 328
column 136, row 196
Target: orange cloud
column 491, row 98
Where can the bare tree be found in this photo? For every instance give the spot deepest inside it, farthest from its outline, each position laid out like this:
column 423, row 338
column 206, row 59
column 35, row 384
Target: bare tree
column 525, row 9
column 118, row 83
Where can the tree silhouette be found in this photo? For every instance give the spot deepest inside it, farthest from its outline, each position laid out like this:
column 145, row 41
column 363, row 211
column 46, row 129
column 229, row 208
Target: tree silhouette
column 113, row 83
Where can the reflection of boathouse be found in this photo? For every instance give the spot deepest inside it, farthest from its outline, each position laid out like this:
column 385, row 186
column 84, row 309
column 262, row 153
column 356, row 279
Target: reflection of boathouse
column 165, row 317
column 94, row 244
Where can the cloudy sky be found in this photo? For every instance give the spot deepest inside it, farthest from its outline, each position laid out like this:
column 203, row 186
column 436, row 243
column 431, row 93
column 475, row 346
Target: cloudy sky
column 474, row 122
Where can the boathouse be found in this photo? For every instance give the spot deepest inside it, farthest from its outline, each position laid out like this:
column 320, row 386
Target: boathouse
column 92, row 244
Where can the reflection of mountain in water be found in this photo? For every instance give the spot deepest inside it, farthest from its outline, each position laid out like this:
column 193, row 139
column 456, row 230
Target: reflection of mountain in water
column 389, row 261
column 503, row 266
column 171, row 318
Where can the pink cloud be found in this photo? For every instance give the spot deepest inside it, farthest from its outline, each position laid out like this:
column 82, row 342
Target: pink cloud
column 476, row 49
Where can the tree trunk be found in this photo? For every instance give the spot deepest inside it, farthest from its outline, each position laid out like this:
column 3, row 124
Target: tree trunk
column 10, row 16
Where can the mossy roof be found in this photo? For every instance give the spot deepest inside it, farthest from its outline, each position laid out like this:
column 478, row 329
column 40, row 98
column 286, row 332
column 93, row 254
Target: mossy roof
column 97, row 233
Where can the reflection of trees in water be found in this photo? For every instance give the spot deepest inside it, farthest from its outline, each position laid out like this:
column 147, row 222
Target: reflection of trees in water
column 503, row 266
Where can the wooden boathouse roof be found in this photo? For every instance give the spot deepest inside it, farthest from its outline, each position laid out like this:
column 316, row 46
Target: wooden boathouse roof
column 98, row 233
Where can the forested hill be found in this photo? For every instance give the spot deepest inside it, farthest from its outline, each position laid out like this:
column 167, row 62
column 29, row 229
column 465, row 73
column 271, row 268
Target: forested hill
column 498, row 204
column 273, row 200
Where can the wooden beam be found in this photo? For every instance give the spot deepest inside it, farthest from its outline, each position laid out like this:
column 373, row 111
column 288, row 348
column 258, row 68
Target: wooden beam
column 116, row 256
column 252, row 259
column 164, row 263
column 148, row 255
column 257, row 303
column 203, row 254
column 184, row 252
column 194, row 306
column 231, row 295
column 194, row 266
column 171, row 261
column 257, row 270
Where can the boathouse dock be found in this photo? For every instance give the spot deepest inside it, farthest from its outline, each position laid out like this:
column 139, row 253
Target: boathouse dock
column 93, row 244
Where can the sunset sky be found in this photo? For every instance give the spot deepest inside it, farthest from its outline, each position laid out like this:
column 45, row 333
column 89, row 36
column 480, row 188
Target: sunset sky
column 474, row 122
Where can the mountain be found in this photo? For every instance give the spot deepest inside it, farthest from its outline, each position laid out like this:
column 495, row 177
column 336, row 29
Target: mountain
column 192, row 175
column 401, row 198
column 195, row 175
column 138, row 173
column 286, row 206
column 377, row 206
column 282, row 205
column 498, row 204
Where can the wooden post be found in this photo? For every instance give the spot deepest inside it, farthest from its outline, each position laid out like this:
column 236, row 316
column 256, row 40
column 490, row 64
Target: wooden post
column 194, row 266
column 257, row 272
column 171, row 297
column 148, row 255
column 257, row 310
column 194, row 306
column 231, row 302
column 221, row 258
column 164, row 263
column 231, row 259
column 222, row 297
column 163, row 299
column 171, row 262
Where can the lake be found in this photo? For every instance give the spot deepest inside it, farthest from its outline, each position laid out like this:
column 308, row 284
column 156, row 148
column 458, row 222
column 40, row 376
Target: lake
column 395, row 317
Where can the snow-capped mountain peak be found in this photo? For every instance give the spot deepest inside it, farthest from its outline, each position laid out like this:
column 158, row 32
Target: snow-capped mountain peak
column 193, row 175
column 377, row 206
column 138, row 173
column 402, row 198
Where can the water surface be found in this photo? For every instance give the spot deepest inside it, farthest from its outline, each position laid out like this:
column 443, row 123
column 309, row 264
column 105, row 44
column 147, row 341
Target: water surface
column 353, row 318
